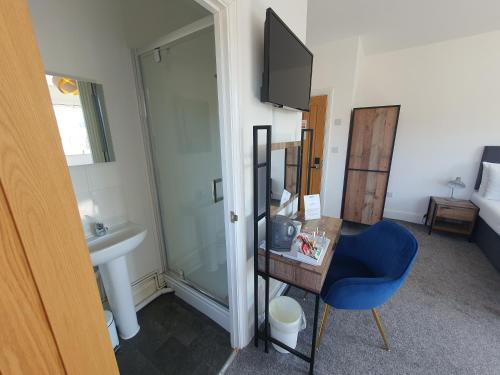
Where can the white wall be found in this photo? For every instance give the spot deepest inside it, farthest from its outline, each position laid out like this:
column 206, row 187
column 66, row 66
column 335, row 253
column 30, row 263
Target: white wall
column 449, row 111
column 334, row 73
column 85, row 39
column 286, row 123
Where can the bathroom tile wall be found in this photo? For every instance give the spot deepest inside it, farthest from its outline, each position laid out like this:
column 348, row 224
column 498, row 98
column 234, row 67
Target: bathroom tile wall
column 99, row 195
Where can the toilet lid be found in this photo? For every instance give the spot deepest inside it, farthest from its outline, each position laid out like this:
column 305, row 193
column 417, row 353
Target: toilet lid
column 109, row 317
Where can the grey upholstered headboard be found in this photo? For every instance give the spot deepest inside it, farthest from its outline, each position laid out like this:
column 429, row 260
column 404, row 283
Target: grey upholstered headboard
column 490, row 154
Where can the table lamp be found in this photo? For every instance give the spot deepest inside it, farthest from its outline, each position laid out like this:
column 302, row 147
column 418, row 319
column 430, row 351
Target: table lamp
column 454, row 184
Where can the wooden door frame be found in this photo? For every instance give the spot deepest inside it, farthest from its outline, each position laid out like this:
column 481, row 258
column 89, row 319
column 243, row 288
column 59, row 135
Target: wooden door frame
column 326, row 143
column 346, row 170
column 226, row 53
column 324, row 146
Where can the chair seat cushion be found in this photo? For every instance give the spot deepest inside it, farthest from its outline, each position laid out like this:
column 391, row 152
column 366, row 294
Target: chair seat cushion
column 343, row 266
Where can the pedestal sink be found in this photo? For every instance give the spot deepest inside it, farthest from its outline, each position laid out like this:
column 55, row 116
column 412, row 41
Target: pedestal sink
column 108, row 253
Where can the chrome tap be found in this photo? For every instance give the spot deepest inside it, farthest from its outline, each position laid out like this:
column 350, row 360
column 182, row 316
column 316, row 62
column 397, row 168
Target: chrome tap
column 100, row 229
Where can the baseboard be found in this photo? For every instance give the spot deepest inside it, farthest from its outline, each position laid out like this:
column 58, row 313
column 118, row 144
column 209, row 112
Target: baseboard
column 145, row 287
column 142, row 289
column 411, row 217
column 152, row 297
column 215, row 311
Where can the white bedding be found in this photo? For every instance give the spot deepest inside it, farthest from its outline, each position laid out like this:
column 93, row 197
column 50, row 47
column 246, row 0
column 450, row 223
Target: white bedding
column 489, row 210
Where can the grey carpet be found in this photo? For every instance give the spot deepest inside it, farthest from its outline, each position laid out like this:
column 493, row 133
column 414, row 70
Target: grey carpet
column 444, row 320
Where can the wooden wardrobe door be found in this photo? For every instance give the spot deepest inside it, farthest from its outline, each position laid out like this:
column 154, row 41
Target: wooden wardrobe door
column 365, row 198
column 371, row 144
column 51, row 317
column 372, row 138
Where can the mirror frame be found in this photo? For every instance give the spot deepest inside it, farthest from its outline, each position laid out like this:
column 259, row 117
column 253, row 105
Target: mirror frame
column 109, row 152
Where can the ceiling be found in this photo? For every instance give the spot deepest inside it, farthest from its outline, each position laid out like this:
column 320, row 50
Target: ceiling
column 385, row 25
column 148, row 20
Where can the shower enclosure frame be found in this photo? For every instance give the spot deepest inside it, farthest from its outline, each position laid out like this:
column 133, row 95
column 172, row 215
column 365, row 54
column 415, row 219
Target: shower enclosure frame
column 173, row 276
column 235, row 317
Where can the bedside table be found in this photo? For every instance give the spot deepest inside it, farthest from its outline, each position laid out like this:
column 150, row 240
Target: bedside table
column 451, row 215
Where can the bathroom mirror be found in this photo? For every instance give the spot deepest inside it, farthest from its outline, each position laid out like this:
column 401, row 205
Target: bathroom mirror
column 81, row 118
column 284, row 173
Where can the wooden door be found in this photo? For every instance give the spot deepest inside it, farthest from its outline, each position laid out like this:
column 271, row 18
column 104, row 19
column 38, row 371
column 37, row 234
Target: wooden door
column 368, row 164
column 314, row 119
column 51, row 316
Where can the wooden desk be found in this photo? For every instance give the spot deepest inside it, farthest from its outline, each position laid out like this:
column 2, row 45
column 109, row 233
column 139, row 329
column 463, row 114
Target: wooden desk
column 303, row 275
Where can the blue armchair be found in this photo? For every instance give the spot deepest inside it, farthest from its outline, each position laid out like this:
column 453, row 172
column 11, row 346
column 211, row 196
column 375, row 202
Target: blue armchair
column 367, row 269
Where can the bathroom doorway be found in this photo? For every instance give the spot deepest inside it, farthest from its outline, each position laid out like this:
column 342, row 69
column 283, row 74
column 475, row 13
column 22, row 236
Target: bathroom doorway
column 179, row 83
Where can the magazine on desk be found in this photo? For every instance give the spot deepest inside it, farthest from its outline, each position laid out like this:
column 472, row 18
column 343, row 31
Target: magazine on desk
column 307, row 248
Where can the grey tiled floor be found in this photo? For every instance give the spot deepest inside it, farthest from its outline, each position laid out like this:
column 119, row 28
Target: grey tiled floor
column 174, row 339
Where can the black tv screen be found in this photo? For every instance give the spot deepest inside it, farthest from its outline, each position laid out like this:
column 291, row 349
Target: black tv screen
column 287, row 66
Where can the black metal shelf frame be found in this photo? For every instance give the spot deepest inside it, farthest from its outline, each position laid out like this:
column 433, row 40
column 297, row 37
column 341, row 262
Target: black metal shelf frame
column 257, row 218
column 265, row 335
column 301, row 152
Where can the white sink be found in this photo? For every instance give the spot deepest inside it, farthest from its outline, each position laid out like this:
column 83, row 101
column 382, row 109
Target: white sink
column 108, row 253
column 116, row 243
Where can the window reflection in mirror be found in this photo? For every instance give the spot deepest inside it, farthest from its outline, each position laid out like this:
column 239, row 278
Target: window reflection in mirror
column 81, row 118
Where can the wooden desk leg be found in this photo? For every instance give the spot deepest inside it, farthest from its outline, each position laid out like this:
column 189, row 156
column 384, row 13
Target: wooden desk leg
column 315, row 329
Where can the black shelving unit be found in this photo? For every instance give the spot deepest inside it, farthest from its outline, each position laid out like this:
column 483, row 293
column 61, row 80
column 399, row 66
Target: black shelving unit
column 265, row 334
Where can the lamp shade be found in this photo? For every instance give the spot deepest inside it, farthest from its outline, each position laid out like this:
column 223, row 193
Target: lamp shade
column 456, row 183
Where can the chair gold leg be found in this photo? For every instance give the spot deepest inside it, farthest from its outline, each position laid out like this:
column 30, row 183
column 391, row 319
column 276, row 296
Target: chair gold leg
column 381, row 329
column 323, row 323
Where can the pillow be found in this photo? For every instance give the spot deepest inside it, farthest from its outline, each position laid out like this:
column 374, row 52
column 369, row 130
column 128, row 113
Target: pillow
column 492, row 190
column 484, row 179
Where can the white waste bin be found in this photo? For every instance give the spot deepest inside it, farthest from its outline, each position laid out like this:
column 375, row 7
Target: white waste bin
column 110, row 322
column 287, row 319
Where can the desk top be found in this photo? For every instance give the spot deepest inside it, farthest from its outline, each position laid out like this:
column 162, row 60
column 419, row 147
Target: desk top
column 303, row 275
column 458, row 203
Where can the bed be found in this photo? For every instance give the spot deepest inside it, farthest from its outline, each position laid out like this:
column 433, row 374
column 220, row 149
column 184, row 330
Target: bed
column 487, row 231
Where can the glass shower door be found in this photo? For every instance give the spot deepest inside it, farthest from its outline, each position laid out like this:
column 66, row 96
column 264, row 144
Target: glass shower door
column 180, row 86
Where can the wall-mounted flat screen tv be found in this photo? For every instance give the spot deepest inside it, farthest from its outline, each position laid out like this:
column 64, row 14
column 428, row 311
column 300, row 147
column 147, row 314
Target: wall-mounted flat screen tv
column 287, row 66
